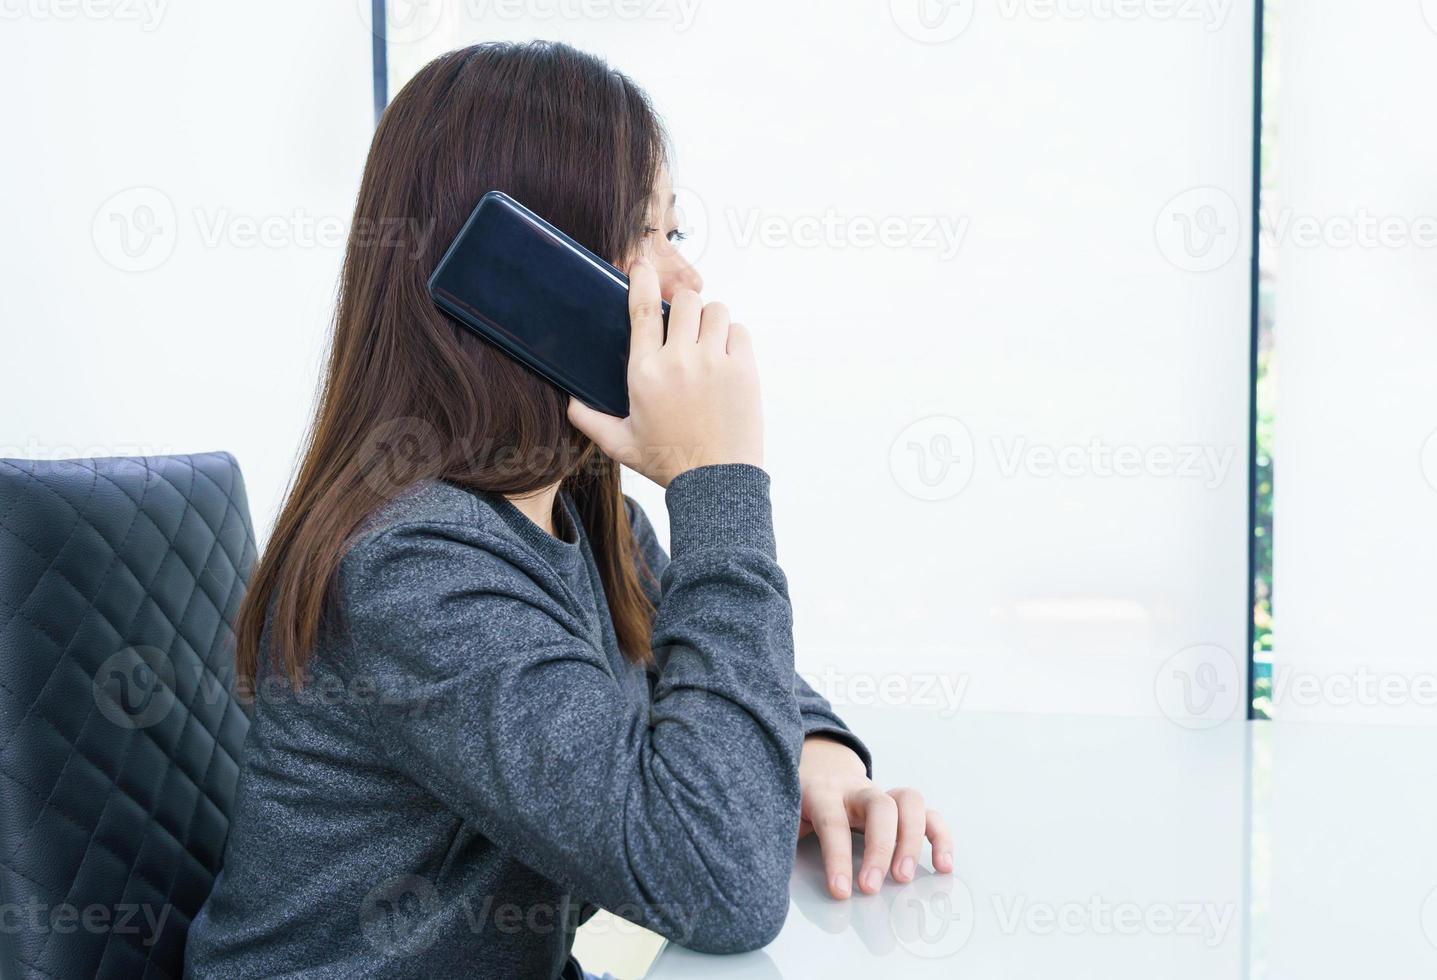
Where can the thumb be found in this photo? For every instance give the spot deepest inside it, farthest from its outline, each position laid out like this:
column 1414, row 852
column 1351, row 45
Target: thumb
column 609, row 432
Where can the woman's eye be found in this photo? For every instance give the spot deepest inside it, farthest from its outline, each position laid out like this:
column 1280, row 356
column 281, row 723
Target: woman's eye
column 674, row 236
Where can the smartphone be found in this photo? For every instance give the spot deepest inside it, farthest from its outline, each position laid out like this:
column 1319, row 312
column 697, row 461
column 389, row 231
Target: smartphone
column 542, row 298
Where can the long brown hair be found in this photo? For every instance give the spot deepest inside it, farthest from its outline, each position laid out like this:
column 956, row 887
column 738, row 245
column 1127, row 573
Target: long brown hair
column 408, row 395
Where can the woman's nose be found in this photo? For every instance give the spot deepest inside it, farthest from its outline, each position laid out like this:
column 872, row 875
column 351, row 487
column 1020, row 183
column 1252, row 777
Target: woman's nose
column 679, row 275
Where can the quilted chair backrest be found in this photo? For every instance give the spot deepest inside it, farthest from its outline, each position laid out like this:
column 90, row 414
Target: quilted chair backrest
column 119, row 736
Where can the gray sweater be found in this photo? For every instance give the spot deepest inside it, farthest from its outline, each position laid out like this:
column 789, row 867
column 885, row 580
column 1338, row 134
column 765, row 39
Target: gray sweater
column 474, row 766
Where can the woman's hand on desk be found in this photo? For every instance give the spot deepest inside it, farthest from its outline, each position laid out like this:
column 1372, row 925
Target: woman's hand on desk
column 838, row 797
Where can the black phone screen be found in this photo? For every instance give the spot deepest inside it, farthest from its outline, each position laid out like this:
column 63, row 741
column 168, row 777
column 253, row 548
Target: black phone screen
column 525, row 286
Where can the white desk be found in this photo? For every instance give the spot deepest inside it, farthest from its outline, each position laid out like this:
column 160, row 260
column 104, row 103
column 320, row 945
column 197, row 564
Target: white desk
column 1117, row 848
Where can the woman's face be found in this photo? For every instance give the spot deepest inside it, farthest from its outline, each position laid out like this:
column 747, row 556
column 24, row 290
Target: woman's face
column 663, row 238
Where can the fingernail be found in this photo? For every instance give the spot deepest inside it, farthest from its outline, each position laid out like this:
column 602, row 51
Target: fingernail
column 906, row 869
column 872, row 878
column 840, row 885
column 945, row 861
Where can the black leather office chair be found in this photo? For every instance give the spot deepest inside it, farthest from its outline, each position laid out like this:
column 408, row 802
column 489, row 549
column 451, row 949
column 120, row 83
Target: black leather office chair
column 119, row 738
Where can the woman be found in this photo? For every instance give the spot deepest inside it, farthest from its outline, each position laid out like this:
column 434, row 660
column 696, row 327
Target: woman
column 487, row 700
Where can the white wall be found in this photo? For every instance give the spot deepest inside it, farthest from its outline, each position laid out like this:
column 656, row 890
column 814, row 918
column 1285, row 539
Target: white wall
column 1028, row 179
column 1056, row 151
column 1355, row 228
column 236, row 132
column 1347, row 889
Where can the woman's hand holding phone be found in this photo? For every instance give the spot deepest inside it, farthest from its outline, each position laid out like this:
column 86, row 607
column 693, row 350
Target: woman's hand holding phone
column 693, row 395
column 694, row 401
